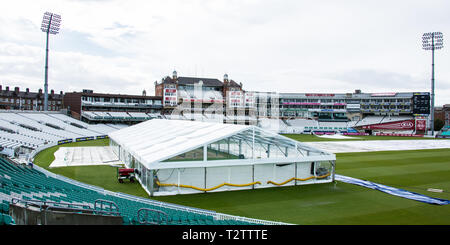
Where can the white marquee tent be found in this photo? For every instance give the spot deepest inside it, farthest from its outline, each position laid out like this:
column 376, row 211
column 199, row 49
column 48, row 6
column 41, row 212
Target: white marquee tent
column 178, row 157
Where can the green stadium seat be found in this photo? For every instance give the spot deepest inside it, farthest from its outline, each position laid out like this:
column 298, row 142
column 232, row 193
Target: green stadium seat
column 6, row 220
column 5, row 208
column 30, row 182
column 126, row 220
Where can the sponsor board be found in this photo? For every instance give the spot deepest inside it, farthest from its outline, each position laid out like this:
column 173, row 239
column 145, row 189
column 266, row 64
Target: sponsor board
column 320, row 95
column 84, row 138
column 398, row 125
column 403, row 135
column 421, row 124
column 324, row 132
column 60, row 142
column 361, row 134
column 443, row 136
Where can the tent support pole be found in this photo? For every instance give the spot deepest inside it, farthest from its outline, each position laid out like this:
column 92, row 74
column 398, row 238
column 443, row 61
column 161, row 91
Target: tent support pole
column 333, row 168
column 205, row 179
column 295, row 174
column 152, row 174
column 253, row 175
column 205, row 158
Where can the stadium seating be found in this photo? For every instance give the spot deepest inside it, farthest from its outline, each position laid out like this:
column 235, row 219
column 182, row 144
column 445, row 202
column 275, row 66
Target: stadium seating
column 370, row 120
column 116, row 126
column 445, row 131
column 5, row 219
column 303, row 123
column 68, row 119
column 139, row 115
column 275, row 125
column 36, row 123
column 118, row 115
column 49, row 120
column 387, row 119
column 51, row 127
column 9, row 144
column 21, row 132
column 101, row 128
column 332, row 126
column 22, row 139
column 39, row 135
column 351, row 124
column 29, row 184
column 300, row 125
column 91, row 115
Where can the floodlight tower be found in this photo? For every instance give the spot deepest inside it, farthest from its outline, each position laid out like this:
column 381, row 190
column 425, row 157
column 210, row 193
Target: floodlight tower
column 50, row 25
column 432, row 41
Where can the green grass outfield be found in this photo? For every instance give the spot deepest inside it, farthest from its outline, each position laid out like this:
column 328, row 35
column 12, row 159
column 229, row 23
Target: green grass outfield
column 102, row 176
column 321, row 204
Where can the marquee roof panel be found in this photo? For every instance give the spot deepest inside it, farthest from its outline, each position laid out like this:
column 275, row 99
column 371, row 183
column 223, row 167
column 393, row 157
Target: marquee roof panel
column 158, row 139
column 154, row 141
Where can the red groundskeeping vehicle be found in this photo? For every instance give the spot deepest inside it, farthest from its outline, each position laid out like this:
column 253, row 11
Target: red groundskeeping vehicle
column 126, row 173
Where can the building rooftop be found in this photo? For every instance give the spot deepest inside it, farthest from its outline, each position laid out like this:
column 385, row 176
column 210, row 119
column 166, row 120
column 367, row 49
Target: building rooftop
column 209, row 82
column 16, row 92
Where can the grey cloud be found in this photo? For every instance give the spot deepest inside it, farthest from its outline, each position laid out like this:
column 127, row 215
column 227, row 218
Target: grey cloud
column 380, row 79
column 74, row 41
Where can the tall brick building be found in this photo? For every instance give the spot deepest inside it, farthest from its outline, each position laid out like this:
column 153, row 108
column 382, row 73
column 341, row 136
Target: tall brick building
column 205, row 99
column 443, row 113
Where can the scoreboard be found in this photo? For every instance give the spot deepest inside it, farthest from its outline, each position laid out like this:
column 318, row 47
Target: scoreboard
column 421, row 103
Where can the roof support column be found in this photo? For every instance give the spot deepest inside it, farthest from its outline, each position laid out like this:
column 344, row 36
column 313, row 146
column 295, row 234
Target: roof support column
column 205, row 158
column 295, row 173
column 240, row 147
column 152, row 177
column 253, row 143
column 205, row 153
column 178, row 180
column 333, row 169
column 253, row 175
column 205, row 179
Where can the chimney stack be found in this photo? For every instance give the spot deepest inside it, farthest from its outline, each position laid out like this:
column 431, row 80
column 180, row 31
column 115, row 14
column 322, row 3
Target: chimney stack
column 52, row 92
column 7, row 88
column 40, row 91
column 16, row 90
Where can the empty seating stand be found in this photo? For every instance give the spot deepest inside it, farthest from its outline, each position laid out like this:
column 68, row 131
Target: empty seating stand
column 5, row 218
column 24, row 183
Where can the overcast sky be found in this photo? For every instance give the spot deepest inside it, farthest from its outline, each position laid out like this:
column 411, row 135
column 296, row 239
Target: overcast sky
column 281, row 46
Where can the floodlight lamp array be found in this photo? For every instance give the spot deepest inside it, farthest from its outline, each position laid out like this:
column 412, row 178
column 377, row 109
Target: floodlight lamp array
column 51, row 23
column 432, row 41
